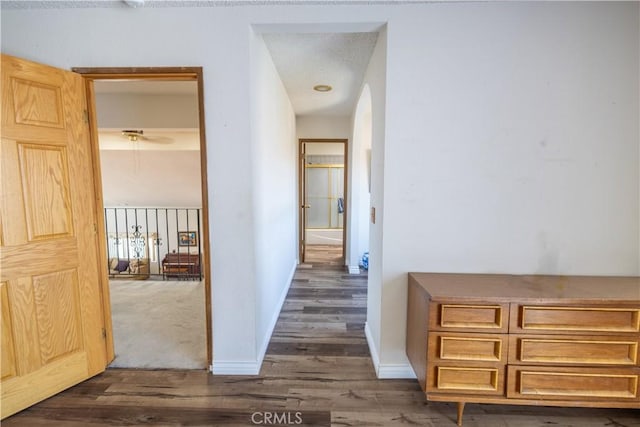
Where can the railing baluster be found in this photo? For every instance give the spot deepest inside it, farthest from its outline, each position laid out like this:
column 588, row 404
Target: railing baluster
column 199, row 246
column 157, row 242
column 126, row 227
column 182, row 253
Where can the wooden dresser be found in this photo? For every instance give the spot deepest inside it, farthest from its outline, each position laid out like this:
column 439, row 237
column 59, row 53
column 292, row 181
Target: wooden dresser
column 181, row 266
column 525, row 340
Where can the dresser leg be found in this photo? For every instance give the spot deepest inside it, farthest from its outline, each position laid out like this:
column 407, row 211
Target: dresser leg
column 460, row 410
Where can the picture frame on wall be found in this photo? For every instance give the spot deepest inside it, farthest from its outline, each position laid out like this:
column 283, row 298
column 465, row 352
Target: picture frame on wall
column 187, row 238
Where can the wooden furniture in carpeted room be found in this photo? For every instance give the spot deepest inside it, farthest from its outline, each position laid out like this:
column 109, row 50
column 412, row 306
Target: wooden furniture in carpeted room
column 134, row 268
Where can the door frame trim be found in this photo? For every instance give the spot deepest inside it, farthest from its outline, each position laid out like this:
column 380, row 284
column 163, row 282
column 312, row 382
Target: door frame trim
column 301, row 168
column 91, row 74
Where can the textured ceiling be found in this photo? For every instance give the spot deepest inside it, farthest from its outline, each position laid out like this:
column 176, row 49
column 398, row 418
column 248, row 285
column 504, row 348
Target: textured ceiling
column 336, row 59
column 302, row 61
column 65, row 4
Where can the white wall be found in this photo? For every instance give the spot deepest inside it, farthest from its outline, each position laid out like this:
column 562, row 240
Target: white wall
column 359, row 180
column 140, row 111
column 318, row 127
column 151, row 178
column 330, row 148
column 376, row 80
column 510, row 144
column 274, row 169
column 202, row 36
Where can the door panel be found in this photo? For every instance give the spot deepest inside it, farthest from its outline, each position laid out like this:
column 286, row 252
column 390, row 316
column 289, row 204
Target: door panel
column 57, row 314
column 8, row 366
column 45, row 181
column 52, row 316
column 46, row 112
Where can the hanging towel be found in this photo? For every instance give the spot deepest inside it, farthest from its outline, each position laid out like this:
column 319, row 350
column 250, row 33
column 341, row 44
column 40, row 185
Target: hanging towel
column 340, row 205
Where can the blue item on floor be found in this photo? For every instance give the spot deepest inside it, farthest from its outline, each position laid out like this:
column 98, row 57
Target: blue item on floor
column 364, row 263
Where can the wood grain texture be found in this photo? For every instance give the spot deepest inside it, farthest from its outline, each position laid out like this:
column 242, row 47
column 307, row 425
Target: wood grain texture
column 25, row 325
column 587, row 319
column 470, row 317
column 57, row 314
column 572, row 369
column 309, row 381
column 572, row 350
column 45, row 182
column 19, row 392
column 85, row 220
column 574, row 383
column 417, row 318
column 98, row 201
column 14, row 228
column 324, row 255
column 37, row 104
column 468, row 347
column 42, row 256
column 8, row 368
column 472, row 288
column 49, row 246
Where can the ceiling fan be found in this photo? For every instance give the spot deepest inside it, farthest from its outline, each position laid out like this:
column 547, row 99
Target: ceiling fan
column 134, row 135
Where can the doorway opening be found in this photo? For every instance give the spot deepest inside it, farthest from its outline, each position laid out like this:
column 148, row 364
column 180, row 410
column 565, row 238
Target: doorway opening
column 323, row 195
column 149, row 140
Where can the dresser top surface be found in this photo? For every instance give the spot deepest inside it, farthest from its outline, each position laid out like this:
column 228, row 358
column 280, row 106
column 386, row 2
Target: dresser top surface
column 507, row 288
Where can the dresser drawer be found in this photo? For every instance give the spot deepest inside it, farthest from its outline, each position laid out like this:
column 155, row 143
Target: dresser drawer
column 537, row 382
column 558, row 319
column 446, row 378
column 469, row 317
column 449, row 346
column 573, row 350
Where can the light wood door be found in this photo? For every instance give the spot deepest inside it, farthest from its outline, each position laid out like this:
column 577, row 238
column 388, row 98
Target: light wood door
column 52, row 314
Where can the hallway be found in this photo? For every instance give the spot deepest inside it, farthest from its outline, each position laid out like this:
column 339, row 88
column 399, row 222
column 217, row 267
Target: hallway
column 317, row 368
column 323, row 315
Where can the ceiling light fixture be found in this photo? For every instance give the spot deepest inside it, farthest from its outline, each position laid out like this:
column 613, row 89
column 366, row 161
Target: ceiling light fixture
column 322, row 88
column 134, row 3
column 132, row 134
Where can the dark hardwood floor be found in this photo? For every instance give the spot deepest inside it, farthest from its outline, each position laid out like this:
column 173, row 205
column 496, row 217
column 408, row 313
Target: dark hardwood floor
column 317, row 372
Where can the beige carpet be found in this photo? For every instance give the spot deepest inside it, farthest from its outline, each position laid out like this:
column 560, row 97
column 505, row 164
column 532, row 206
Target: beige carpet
column 158, row 324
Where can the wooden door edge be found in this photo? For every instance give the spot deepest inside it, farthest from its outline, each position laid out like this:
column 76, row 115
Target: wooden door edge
column 107, row 324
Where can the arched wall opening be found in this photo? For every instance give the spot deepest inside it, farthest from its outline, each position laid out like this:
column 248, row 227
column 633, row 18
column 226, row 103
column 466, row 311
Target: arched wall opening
column 360, row 192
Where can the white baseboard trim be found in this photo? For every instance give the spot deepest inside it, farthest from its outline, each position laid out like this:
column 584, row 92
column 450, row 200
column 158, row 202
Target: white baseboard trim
column 276, row 314
column 354, row 269
column 372, row 348
column 387, row 370
column 395, row 371
column 223, row 367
